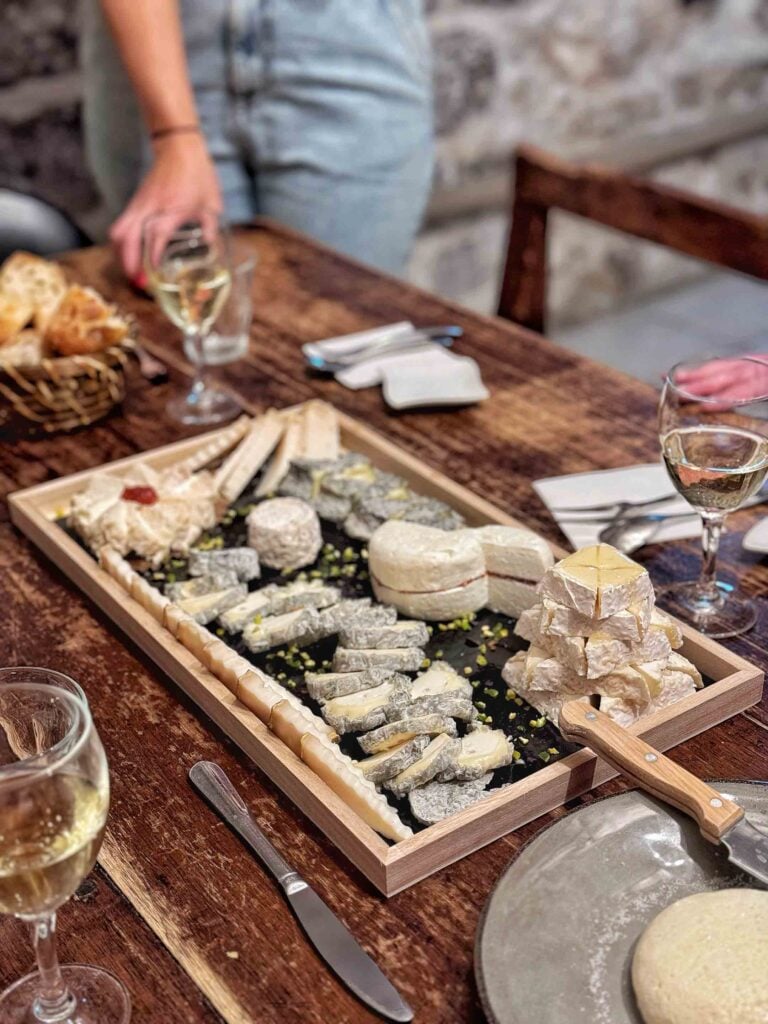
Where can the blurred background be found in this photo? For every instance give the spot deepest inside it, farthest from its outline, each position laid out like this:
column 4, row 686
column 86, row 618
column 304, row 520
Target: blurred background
column 673, row 89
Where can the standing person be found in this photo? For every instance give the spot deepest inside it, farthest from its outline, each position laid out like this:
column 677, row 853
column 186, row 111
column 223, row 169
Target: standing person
column 315, row 112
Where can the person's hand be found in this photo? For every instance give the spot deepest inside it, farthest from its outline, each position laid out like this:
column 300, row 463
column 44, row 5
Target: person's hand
column 182, row 174
column 733, row 380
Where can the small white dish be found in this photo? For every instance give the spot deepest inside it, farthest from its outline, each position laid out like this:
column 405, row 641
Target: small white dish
column 436, row 378
column 756, row 539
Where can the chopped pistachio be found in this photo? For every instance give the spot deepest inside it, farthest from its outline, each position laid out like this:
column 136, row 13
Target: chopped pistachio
column 467, row 670
column 491, row 691
column 481, row 660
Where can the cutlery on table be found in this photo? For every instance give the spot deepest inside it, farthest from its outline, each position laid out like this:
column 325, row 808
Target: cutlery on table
column 444, row 336
column 631, row 534
column 333, row 942
column 150, row 368
column 616, row 507
column 719, row 819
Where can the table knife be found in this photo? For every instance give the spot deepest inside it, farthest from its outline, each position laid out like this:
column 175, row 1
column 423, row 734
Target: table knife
column 333, row 942
column 719, row 819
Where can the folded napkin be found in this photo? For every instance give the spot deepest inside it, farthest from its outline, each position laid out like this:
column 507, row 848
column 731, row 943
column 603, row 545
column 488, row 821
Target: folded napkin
column 756, row 539
column 634, row 483
column 425, row 374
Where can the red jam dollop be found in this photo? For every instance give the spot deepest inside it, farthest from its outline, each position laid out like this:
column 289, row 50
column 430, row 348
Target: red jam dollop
column 142, row 495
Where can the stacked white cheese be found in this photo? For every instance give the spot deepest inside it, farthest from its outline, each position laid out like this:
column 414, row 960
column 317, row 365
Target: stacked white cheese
column 596, row 632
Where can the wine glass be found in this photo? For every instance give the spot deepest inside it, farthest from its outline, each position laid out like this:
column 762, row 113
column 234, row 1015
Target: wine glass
column 715, row 448
column 187, row 260
column 54, row 796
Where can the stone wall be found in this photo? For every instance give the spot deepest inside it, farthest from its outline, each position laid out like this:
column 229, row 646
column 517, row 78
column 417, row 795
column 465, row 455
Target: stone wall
column 677, row 88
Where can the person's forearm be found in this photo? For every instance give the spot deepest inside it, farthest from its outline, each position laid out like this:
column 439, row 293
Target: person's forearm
column 149, row 37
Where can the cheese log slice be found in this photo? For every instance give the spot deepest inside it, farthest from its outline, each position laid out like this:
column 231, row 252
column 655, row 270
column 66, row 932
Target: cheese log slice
column 438, row 756
column 629, row 625
column 513, row 552
column 173, row 618
column 193, row 636
column 285, row 532
column 207, row 607
column 325, row 686
column 292, row 627
column 439, row 800
column 242, row 562
column 118, row 568
column 394, row 733
column 225, row 663
column 342, row 775
column 597, row 581
column 480, row 752
column 199, row 586
column 405, row 633
column 441, row 677
column 447, row 704
column 380, row 767
column 400, row 659
column 256, row 691
column 356, row 712
column 149, row 597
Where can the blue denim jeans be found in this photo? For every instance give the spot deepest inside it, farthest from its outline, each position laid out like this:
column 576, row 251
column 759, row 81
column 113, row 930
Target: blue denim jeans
column 317, row 112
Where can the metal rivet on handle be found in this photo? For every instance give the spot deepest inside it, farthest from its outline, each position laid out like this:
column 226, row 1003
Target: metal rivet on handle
column 591, row 715
column 715, row 802
column 651, row 757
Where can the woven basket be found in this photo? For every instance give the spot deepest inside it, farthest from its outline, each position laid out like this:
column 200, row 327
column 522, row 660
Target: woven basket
column 63, row 393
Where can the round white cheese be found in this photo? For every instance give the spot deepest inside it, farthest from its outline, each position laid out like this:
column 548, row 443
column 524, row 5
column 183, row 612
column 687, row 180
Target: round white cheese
column 285, row 532
column 702, row 960
column 412, row 558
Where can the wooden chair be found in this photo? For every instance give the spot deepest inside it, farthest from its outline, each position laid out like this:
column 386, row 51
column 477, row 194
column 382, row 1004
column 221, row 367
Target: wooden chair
column 697, row 227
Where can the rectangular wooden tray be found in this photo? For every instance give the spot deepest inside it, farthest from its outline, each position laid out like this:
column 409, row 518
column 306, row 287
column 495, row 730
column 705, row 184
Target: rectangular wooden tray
column 737, row 685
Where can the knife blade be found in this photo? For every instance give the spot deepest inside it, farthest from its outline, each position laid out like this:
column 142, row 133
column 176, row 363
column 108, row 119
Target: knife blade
column 335, row 944
column 720, row 820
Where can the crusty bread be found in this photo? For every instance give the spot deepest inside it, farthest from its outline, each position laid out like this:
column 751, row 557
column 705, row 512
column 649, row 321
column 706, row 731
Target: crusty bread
column 27, row 350
column 35, row 282
column 83, row 322
column 15, row 314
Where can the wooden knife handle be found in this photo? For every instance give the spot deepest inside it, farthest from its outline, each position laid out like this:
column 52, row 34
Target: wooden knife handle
column 650, row 770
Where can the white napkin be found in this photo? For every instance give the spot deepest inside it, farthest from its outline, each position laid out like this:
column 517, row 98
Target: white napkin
column 756, row 538
column 332, row 348
column 634, row 483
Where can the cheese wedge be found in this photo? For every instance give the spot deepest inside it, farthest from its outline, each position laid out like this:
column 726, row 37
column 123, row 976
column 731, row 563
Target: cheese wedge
column 677, row 663
column 674, row 687
column 239, row 469
column 600, row 654
column 668, row 625
column 380, row 767
column 319, row 431
column 597, row 581
column 639, row 682
column 288, row 448
column 438, row 757
column 629, row 625
column 342, row 775
column 528, row 624
column 394, row 733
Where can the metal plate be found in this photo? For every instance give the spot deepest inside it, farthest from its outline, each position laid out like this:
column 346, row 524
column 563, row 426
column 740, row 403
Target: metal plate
column 555, row 941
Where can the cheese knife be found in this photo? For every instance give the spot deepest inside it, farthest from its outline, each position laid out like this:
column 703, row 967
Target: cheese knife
column 333, row 942
column 719, row 819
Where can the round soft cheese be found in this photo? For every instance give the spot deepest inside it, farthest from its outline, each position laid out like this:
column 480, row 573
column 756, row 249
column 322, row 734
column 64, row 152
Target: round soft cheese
column 417, row 559
column 285, row 532
column 703, row 960
column 436, row 605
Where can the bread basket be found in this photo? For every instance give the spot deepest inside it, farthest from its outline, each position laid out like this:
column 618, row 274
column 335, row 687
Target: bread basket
column 63, row 393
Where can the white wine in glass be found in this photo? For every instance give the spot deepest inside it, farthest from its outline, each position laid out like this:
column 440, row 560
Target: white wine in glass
column 187, row 260
column 54, row 798
column 715, row 448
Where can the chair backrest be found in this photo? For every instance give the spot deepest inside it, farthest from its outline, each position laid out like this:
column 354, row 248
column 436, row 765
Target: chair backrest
column 697, row 227
column 35, row 225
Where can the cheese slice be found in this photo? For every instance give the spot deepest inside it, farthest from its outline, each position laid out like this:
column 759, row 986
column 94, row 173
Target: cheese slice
column 291, row 627
column 206, row 607
column 380, row 767
column 256, row 692
column 250, row 455
column 528, row 624
column 292, row 724
column 481, row 751
column 173, row 617
column 440, row 677
column 677, row 663
column 438, row 757
column 193, row 636
column 394, row 733
column 359, row 711
column 597, row 581
column 546, row 702
column 342, row 775
column 668, row 625
column 398, row 659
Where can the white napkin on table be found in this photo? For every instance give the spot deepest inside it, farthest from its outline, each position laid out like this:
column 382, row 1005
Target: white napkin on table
column 633, row 483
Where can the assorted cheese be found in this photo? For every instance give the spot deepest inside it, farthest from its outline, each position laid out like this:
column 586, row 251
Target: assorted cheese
column 596, row 634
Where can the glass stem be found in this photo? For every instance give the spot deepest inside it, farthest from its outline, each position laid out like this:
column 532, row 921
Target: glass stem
column 54, row 1001
column 710, row 543
column 196, row 341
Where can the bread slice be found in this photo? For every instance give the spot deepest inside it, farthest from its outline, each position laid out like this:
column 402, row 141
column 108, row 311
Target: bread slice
column 36, row 282
column 83, row 323
column 25, row 350
column 15, row 314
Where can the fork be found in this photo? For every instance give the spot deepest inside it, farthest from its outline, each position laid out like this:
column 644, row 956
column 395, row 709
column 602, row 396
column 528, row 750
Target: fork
column 619, row 506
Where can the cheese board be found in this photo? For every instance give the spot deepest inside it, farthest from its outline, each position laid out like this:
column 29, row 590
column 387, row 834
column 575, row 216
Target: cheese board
column 288, row 731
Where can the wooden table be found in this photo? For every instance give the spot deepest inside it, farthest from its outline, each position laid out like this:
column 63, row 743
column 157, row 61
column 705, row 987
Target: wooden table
column 178, row 908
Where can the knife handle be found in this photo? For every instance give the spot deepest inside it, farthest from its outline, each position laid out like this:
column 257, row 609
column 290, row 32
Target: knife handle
column 649, row 769
column 213, row 782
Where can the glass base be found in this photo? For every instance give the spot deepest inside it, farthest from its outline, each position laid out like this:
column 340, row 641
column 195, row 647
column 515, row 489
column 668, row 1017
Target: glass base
column 98, row 998
column 727, row 616
column 203, row 407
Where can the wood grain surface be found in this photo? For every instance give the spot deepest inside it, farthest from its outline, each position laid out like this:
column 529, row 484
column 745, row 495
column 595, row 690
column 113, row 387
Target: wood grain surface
column 194, row 926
